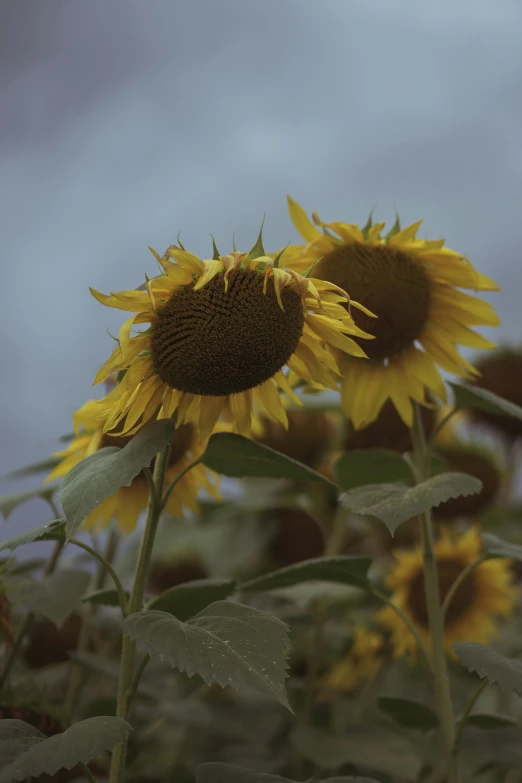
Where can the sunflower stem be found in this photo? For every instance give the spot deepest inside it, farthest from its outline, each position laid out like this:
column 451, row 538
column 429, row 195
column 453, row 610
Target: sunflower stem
column 128, row 650
column 433, row 605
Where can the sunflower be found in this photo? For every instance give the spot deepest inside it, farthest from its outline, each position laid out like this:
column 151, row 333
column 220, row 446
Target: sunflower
column 127, row 504
column 486, row 594
column 363, row 662
column 501, row 373
column 310, row 434
column 411, row 285
column 221, row 332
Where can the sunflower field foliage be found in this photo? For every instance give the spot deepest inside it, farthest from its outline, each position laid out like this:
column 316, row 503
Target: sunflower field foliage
column 284, row 540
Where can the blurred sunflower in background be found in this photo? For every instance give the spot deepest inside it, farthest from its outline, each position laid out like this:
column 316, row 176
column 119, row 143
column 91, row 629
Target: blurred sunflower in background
column 309, row 436
column 486, row 594
column 412, row 286
column 221, row 332
column 362, row 662
column 128, row 503
column 501, row 373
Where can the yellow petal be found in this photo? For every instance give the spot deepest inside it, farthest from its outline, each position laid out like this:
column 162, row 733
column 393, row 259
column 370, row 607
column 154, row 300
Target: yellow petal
column 210, row 410
column 270, row 400
column 301, row 221
column 210, row 270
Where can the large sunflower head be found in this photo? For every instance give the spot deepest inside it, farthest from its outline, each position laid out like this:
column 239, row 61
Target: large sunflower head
column 486, row 594
column 412, row 286
column 501, row 373
column 129, row 502
column 221, row 333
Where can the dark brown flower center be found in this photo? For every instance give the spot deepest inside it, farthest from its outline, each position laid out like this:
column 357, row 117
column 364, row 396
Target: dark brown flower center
column 215, row 342
column 182, row 439
column 388, row 282
column 448, row 570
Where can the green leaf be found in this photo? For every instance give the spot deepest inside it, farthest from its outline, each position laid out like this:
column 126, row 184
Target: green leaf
column 101, row 474
column 217, row 772
column 104, row 597
column 413, row 714
column 51, row 531
column 488, row 663
column 42, row 466
column 16, row 737
column 488, row 721
column 46, row 755
column 371, row 466
column 56, row 595
column 496, row 547
column 189, row 598
column 373, row 750
column 237, row 456
column 342, row 569
column 8, row 503
column 227, row 643
column 484, row 400
column 394, row 504
column 258, row 250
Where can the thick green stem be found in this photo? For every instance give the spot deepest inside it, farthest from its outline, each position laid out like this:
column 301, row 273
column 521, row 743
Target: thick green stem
column 28, row 619
column 433, row 605
column 128, row 650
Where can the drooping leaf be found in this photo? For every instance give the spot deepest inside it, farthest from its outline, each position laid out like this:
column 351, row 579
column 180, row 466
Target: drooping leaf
column 189, row 598
column 489, row 721
column 341, row 569
column 371, row 466
column 226, row 643
column 42, row 466
column 496, row 547
column 217, row 772
column 46, row 755
column 375, row 750
column 237, row 456
column 16, row 737
column 8, row 503
column 484, row 400
column 488, row 663
column 55, row 596
column 101, row 474
column 413, row 714
column 104, row 597
column 51, row 531
column 394, row 504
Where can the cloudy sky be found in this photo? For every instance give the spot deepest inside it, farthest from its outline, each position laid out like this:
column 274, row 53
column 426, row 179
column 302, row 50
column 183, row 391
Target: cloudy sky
column 124, row 122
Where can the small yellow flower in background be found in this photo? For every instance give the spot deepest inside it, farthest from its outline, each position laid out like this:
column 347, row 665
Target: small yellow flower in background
column 222, row 330
column 129, row 502
column 411, row 286
column 364, row 660
column 487, row 593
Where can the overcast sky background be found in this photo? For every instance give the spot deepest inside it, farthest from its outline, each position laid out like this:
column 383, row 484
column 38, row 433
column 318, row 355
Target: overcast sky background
column 124, row 122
